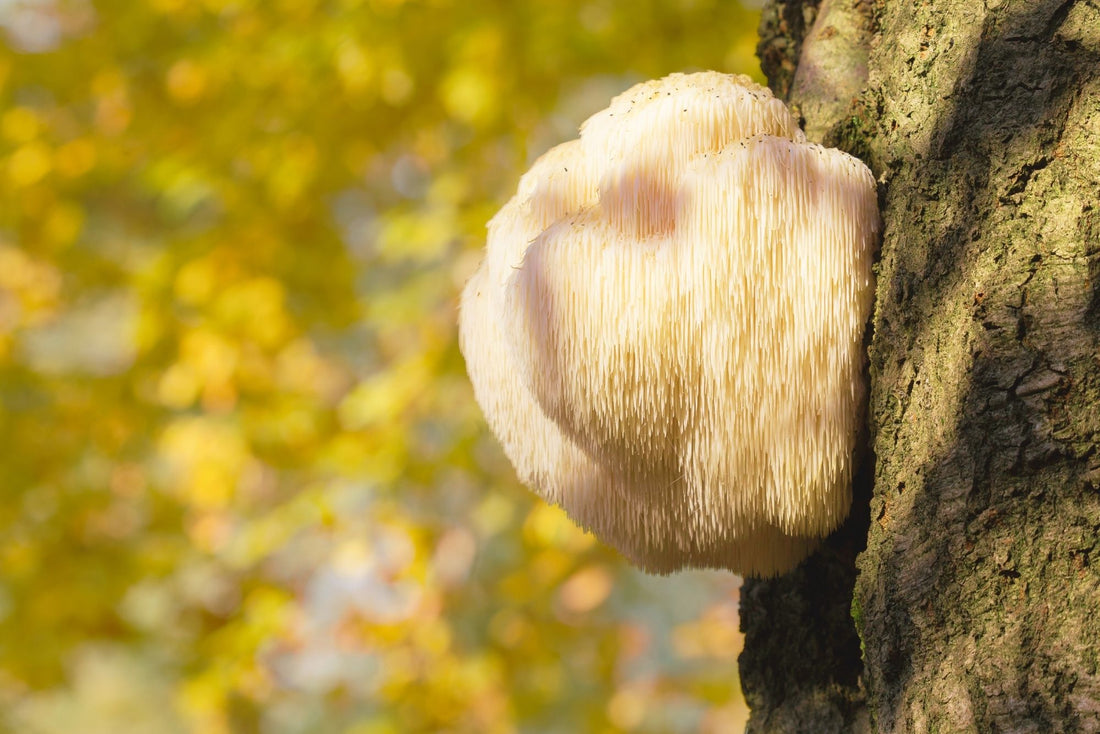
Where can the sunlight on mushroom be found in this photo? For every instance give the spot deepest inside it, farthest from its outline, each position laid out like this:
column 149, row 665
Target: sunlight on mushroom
column 666, row 331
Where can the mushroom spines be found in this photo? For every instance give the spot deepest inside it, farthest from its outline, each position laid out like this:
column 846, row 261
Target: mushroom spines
column 666, row 334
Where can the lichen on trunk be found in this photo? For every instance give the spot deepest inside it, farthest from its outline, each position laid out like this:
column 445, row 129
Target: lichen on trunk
column 977, row 594
column 980, row 585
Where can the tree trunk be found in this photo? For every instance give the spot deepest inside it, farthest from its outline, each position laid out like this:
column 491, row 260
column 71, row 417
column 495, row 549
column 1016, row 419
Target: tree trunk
column 977, row 597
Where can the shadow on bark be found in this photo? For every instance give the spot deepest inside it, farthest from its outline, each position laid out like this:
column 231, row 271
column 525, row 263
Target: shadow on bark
column 970, row 569
column 801, row 666
column 1010, row 506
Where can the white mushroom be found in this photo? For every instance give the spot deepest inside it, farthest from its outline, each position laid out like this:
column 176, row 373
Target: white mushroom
column 666, row 332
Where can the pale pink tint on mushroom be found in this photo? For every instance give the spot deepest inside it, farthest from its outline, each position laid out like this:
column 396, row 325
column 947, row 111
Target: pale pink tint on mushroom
column 666, row 332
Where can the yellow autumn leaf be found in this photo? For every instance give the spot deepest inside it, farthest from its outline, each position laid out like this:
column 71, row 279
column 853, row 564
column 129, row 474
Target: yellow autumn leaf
column 470, row 95
column 20, row 125
column 29, row 164
column 186, row 82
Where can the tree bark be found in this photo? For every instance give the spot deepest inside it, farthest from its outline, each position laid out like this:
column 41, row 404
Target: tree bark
column 977, row 597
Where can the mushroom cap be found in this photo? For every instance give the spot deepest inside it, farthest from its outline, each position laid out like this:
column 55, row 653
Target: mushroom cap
column 666, row 331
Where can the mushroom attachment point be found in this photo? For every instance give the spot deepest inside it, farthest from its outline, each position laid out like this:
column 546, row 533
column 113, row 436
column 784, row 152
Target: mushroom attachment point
column 666, row 331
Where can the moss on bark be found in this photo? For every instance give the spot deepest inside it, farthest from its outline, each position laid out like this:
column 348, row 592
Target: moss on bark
column 979, row 590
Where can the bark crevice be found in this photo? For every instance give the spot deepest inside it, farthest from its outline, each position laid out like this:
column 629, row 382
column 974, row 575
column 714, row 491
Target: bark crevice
column 976, row 595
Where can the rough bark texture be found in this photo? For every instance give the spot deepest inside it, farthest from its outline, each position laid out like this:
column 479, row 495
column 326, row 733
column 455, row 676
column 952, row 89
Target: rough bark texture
column 980, row 587
column 783, row 26
column 801, row 667
column 978, row 594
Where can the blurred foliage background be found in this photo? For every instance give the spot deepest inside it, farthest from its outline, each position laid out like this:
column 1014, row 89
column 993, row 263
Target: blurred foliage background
column 245, row 484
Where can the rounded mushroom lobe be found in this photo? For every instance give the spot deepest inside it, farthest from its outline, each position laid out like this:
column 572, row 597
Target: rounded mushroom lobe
column 666, row 332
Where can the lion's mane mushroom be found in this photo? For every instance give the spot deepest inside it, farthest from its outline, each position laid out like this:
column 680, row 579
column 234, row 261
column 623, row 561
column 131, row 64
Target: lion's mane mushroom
column 666, row 331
